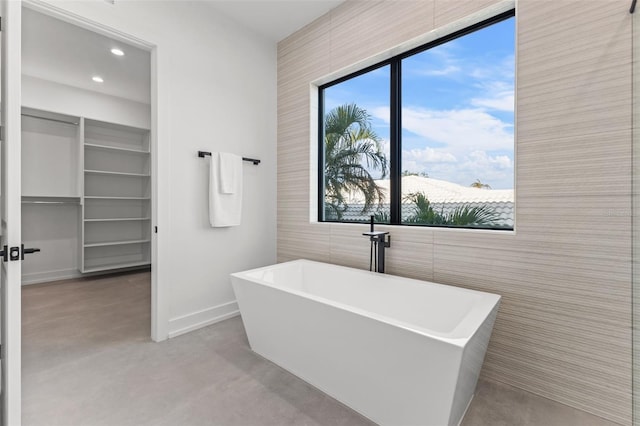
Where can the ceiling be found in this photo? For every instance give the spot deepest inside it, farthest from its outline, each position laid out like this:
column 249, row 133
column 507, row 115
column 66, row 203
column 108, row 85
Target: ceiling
column 274, row 19
column 64, row 53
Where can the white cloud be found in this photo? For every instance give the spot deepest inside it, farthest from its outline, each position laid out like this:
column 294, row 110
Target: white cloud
column 504, row 70
column 428, row 155
column 467, row 142
column 460, row 129
column 497, row 170
column 480, row 160
column 494, row 170
column 457, row 145
column 447, row 70
column 440, row 61
column 426, row 159
column 501, row 101
column 466, row 135
column 497, row 96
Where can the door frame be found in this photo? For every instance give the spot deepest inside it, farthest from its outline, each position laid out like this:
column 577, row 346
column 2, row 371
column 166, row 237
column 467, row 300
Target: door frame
column 159, row 154
column 12, row 286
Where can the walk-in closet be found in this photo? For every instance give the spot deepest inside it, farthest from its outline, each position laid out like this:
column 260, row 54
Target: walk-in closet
column 86, row 195
column 86, row 153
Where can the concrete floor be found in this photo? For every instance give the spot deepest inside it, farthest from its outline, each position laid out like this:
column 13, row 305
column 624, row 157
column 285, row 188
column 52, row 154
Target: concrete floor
column 88, row 360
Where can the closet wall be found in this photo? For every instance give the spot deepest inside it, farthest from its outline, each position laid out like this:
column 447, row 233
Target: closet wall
column 51, row 193
column 47, row 95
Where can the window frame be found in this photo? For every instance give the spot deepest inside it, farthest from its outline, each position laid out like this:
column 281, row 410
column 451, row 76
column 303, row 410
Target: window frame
column 395, row 123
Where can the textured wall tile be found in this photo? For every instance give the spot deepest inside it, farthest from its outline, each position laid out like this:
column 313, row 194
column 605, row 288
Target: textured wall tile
column 564, row 326
column 593, row 165
column 302, row 241
column 360, row 29
column 447, row 11
column 636, row 218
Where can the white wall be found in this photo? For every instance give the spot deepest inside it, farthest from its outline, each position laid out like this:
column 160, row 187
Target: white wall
column 216, row 90
column 55, row 97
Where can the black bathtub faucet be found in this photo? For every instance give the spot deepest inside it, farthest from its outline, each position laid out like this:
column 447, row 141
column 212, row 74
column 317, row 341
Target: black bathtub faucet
column 379, row 242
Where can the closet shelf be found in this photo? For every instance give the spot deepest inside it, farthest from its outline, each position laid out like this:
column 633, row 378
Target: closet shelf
column 116, row 266
column 109, row 173
column 36, row 199
column 114, row 148
column 99, row 197
column 117, row 243
column 117, row 219
column 51, row 197
column 50, row 202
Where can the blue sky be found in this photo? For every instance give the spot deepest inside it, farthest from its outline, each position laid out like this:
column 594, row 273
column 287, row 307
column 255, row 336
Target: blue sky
column 457, row 111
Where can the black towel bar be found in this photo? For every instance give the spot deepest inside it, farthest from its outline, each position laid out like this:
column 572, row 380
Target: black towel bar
column 255, row 161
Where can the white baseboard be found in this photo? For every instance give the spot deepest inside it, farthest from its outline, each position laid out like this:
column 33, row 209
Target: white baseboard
column 203, row 318
column 43, row 277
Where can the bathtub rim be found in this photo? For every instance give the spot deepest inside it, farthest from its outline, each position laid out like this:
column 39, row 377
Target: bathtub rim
column 478, row 316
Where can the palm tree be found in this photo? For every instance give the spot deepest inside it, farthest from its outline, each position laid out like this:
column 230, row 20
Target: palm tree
column 423, row 213
column 352, row 149
column 478, row 184
column 481, row 216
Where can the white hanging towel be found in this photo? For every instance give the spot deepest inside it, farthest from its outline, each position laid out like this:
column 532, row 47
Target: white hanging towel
column 225, row 189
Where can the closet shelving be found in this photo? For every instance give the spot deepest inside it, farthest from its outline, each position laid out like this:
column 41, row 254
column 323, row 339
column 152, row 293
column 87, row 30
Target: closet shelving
column 92, row 144
column 86, row 195
column 116, row 227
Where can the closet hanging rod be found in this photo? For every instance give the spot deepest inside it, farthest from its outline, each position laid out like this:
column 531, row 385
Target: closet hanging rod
column 255, row 161
column 49, row 119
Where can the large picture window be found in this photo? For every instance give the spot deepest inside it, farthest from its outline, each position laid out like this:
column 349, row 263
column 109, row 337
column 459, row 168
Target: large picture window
column 425, row 138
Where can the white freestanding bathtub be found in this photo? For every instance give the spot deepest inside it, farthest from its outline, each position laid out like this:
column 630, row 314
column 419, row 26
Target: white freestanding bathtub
column 398, row 351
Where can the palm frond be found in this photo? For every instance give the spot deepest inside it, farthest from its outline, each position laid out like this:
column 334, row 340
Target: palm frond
column 352, row 148
column 467, row 215
column 423, row 213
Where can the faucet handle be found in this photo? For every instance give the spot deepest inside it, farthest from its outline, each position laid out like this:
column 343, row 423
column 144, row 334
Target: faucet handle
column 374, row 233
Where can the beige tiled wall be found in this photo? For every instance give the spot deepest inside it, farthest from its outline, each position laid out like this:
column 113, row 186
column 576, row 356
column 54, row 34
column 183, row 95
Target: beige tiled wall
column 564, row 327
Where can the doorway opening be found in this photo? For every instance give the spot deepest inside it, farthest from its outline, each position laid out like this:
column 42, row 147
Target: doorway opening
column 87, row 201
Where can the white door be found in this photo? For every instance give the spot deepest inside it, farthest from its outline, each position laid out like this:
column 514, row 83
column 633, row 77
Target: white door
column 10, row 211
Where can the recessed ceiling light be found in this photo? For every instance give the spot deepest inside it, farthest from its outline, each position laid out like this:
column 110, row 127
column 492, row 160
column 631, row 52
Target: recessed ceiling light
column 117, row 52
column 97, row 79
